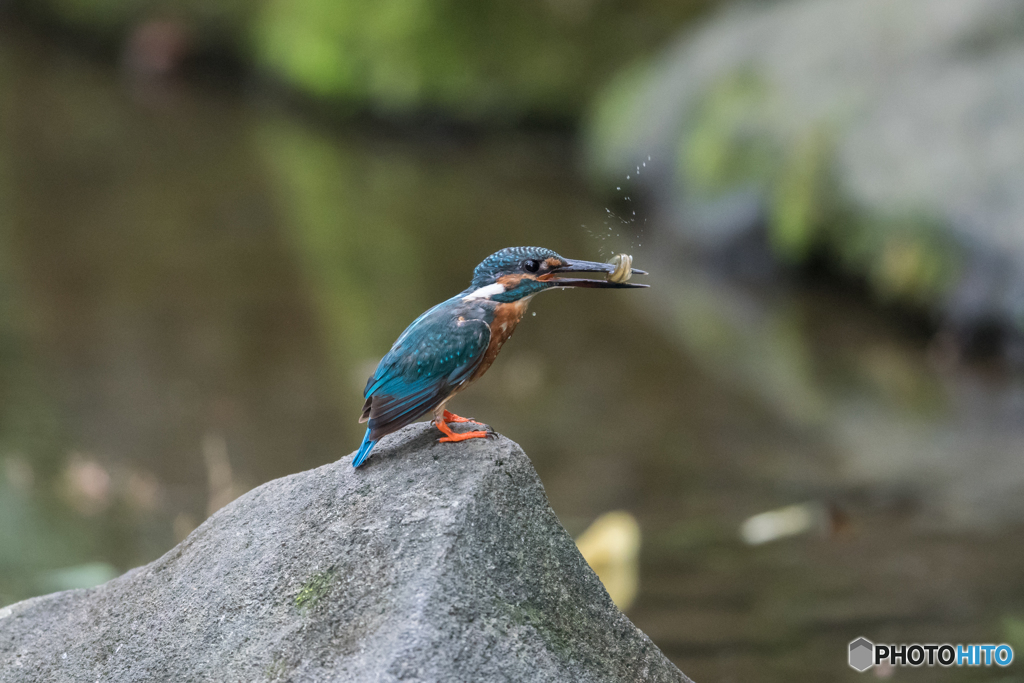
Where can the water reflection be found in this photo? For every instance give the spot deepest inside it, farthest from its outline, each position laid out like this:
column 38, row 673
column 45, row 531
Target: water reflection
column 193, row 293
column 893, row 413
column 912, row 467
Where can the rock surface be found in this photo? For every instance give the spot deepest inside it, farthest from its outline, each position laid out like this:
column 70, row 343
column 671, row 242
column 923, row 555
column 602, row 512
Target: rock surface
column 433, row 562
column 885, row 136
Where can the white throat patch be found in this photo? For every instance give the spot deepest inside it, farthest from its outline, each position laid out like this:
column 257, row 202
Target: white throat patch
column 485, row 292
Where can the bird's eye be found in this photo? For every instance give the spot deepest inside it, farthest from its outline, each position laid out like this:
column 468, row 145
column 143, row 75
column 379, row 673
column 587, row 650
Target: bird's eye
column 531, row 266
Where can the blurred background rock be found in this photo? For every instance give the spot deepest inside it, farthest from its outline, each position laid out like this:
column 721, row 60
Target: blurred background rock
column 216, row 216
column 878, row 140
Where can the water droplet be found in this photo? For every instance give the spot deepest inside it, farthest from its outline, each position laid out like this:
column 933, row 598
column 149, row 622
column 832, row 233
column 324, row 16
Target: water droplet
column 534, row 314
column 627, row 177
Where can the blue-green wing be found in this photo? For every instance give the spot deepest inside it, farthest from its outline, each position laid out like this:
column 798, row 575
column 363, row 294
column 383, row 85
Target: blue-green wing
column 436, row 354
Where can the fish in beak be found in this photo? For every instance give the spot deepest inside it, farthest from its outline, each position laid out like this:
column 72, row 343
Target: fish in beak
column 616, row 269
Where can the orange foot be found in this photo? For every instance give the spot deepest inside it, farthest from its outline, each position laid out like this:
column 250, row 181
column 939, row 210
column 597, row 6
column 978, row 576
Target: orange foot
column 464, row 436
column 450, row 436
column 452, row 417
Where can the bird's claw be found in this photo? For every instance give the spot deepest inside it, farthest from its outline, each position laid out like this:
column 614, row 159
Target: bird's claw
column 464, row 436
column 452, row 437
column 452, row 417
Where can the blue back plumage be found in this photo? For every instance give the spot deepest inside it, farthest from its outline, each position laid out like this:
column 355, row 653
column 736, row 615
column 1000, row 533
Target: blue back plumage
column 437, row 353
column 442, row 348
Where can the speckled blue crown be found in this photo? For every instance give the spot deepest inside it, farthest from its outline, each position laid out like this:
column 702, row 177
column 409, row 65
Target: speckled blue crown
column 506, row 261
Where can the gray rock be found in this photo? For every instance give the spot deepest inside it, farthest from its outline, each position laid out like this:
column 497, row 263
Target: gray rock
column 887, row 135
column 434, row 562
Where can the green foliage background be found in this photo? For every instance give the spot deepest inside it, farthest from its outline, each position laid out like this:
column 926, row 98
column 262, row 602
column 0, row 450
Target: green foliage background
column 482, row 62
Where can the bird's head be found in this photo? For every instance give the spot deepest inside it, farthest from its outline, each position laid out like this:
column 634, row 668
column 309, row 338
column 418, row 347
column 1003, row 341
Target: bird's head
column 518, row 272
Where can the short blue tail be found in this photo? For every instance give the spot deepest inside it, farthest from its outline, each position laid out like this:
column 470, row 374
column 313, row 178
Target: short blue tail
column 364, row 450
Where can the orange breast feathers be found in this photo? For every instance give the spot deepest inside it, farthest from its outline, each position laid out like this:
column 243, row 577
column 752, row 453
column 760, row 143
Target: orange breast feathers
column 506, row 317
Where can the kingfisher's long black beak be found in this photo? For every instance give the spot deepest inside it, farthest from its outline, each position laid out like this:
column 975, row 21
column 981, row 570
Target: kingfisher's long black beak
column 592, row 267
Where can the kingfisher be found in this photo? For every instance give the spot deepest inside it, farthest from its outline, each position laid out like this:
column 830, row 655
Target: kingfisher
column 451, row 345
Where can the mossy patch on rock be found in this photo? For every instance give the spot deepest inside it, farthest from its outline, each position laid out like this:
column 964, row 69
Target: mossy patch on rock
column 727, row 142
column 314, row 590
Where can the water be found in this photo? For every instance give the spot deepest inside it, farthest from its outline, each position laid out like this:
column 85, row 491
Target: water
column 193, row 291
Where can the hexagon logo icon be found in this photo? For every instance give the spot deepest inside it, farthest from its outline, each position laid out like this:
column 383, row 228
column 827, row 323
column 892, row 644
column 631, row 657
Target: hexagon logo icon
column 862, row 654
